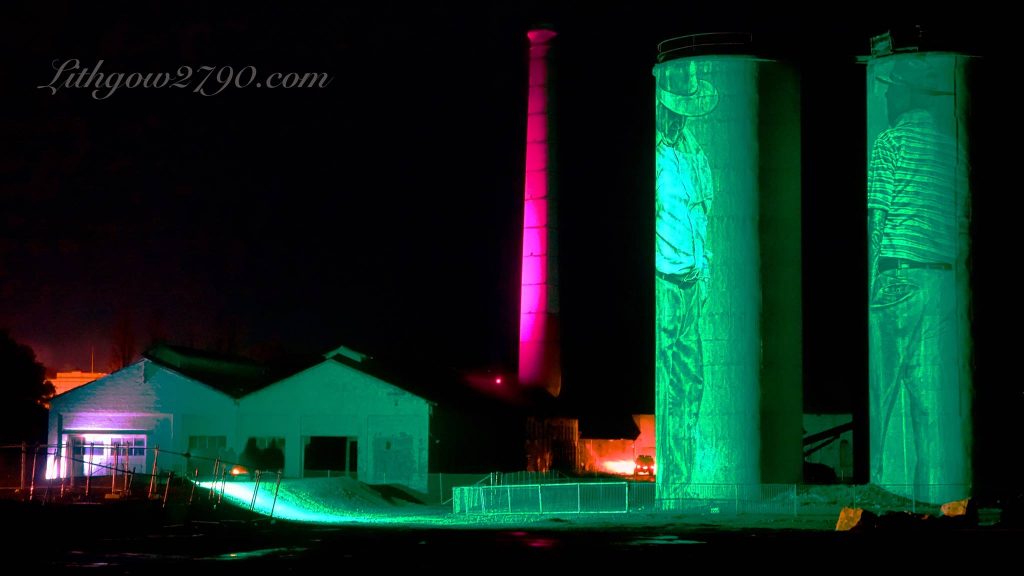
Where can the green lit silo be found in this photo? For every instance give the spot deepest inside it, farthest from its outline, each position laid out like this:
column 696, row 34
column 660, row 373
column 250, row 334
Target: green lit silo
column 727, row 267
column 918, row 198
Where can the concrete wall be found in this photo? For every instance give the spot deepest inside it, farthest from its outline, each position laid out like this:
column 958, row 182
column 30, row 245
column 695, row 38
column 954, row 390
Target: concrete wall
column 146, row 398
column 333, row 399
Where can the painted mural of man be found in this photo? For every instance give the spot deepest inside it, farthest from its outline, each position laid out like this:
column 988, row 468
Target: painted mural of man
column 916, row 191
column 683, row 195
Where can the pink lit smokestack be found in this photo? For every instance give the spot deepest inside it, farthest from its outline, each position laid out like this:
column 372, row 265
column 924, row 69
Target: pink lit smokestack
column 539, row 352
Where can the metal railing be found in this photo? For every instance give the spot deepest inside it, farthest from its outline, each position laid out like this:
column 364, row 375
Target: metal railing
column 56, row 473
column 578, row 498
column 620, row 497
column 529, row 477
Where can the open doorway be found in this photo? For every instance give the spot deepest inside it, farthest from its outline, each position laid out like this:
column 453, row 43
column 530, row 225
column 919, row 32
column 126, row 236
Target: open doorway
column 330, row 456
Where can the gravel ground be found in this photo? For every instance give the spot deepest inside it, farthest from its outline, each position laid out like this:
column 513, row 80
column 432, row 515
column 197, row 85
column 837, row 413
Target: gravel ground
column 371, row 527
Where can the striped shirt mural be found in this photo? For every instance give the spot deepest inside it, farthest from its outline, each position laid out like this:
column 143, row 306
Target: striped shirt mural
column 919, row 368
column 913, row 178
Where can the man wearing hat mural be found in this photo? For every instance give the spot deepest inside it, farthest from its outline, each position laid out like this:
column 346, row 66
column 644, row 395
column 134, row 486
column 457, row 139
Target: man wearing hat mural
column 683, row 195
column 916, row 216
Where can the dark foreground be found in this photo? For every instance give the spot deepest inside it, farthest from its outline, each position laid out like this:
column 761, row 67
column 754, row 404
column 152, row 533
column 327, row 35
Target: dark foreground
column 143, row 538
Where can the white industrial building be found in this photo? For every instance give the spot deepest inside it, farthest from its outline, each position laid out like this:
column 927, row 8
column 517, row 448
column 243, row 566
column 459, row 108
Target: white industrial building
column 331, row 417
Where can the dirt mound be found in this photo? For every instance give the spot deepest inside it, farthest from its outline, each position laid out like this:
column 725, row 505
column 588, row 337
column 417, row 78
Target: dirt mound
column 340, row 494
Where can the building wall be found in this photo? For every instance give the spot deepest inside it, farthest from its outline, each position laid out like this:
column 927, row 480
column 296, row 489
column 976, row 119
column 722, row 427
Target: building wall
column 837, row 455
column 332, row 399
column 146, row 398
column 609, row 456
column 646, row 442
column 66, row 381
column 390, row 425
column 619, row 455
column 552, row 444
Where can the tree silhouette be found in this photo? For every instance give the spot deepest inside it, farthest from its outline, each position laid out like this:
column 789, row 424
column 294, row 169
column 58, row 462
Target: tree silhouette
column 23, row 392
column 122, row 344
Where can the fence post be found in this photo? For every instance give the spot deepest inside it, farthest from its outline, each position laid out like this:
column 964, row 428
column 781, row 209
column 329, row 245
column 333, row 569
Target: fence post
column 113, row 472
column 255, row 490
column 69, row 460
column 152, row 475
column 540, row 497
column 213, row 481
column 276, row 488
column 194, row 482
column 24, row 462
column 59, row 464
column 736, row 497
column 578, row 508
column 223, row 473
column 167, row 488
column 32, row 484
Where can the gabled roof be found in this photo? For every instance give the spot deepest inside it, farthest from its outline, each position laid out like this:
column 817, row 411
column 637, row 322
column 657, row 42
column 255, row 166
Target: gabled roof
column 348, row 353
column 233, row 375
column 445, row 387
column 237, row 377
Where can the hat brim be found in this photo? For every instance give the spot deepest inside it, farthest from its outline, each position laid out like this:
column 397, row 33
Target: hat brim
column 701, row 102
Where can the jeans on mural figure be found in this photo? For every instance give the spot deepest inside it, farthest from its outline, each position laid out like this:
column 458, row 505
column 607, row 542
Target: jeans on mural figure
column 914, row 384
column 680, row 385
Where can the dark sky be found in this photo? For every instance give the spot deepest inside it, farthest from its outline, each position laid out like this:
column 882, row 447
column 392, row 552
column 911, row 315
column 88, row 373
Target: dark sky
column 384, row 211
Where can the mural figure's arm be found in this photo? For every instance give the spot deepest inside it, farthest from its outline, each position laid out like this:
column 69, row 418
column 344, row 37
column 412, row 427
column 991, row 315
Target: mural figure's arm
column 881, row 181
column 876, row 227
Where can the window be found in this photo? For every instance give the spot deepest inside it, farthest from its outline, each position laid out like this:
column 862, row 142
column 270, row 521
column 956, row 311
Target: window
column 263, row 453
column 133, row 446
column 99, row 454
column 264, row 442
column 207, row 442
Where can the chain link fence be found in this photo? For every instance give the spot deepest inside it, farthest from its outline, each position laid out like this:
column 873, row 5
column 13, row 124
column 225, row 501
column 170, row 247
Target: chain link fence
column 591, row 497
column 621, row 497
column 55, row 473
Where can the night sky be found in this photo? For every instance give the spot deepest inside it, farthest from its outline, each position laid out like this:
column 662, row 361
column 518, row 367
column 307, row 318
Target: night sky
column 384, row 211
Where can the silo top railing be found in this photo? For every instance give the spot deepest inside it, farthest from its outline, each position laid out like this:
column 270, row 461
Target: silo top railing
column 705, row 43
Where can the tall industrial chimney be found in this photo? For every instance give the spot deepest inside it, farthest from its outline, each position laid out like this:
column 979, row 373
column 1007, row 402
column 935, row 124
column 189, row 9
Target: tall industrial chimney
column 539, row 352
